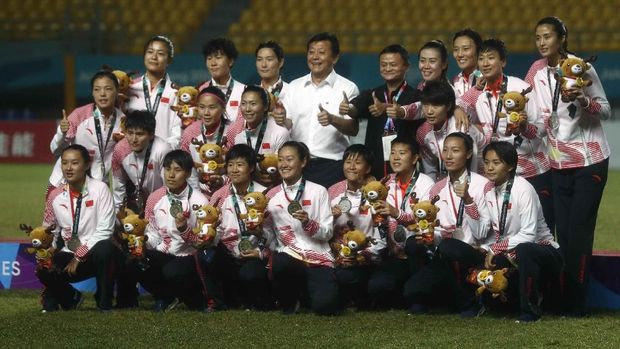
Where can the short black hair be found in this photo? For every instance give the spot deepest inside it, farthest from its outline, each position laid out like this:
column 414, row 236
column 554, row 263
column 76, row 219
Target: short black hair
column 325, row 36
column 300, row 147
column 141, row 120
column 408, row 141
column 360, row 150
column 274, row 46
column 443, row 52
column 223, row 45
column 242, row 151
column 396, row 48
column 104, row 74
column 181, row 158
column 467, row 141
column 505, row 151
column 439, row 92
column 166, row 42
column 472, row 34
column 495, row 45
column 261, row 92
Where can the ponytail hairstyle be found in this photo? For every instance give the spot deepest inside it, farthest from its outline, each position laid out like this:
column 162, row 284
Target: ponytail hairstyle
column 83, row 153
column 468, row 142
column 443, row 52
column 560, row 28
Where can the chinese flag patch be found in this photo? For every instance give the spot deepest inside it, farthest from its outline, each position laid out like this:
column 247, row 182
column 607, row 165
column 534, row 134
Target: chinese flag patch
column 234, row 103
column 150, row 166
column 266, row 146
column 305, row 202
column 165, row 100
column 89, row 203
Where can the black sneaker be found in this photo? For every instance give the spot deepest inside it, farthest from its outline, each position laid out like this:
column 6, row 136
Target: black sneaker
column 76, row 301
column 474, row 311
column 417, row 309
column 162, row 306
column 527, row 317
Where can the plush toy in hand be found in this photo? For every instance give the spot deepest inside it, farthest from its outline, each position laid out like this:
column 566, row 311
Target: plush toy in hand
column 133, row 234
column 353, row 242
column 41, row 239
column 212, row 156
column 373, row 192
column 185, row 108
column 425, row 213
column 256, row 205
column 572, row 71
column 514, row 104
column 207, row 218
column 494, row 281
column 268, row 168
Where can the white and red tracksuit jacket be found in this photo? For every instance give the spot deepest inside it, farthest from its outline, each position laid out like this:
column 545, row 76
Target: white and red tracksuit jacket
column 524, row 220
column 127, row 167
column 162, row 230
column 431, row 145
column 309, row 243
column 168, row 123
column 82, row 131
column 194, row 131
column 362, row 219
column 228, row 230
column 579, row 140
column 476, row 217
column 533, row 159
column 405, row 217
column 97, row 218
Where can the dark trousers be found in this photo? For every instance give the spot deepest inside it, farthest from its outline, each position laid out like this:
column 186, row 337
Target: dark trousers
column 539, row 265
column 385, row 286
column 460, row 257
column 325, row 172
column 353, row 285
column 100, row 262
column 577, row 194
column 169, row 276
column 289, row 276
column 542, row 184
column 239, row 282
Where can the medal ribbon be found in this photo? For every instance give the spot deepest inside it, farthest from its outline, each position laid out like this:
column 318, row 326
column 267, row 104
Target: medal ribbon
column 412, row 181
column 76, row 214
column 147, row 156
column 300, row 191
column 242, row 228
column 504, row 213
column 461, row 211
column 103, row 146
column 261, row 135
column 147, row 95
column 498, row 108
column 389, row 123
column 220, row 134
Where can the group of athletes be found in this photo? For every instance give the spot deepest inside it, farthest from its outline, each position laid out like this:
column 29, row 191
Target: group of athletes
column 520, row 196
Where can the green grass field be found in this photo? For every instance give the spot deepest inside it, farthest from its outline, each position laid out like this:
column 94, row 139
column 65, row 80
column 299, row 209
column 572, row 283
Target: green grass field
column 22, row 326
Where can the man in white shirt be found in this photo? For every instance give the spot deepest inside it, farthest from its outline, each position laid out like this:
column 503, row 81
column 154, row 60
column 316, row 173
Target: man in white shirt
column 312, row 104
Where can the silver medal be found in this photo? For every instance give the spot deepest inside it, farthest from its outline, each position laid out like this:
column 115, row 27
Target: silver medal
column 74, row 243
column 345, row 205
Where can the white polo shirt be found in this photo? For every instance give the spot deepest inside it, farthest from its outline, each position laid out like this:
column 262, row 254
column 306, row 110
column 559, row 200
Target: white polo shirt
column 302, row 106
